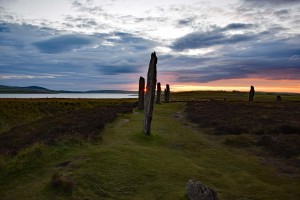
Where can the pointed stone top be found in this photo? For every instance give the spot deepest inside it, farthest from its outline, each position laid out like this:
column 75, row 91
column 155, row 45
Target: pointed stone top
column 153, row 58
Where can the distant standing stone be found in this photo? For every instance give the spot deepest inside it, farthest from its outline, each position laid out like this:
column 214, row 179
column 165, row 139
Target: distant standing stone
column 141, row 93
column 278, row 98
column 150, row 94
column 167, row 94
column 158, row 93
column 251, row 93
column 197, row 191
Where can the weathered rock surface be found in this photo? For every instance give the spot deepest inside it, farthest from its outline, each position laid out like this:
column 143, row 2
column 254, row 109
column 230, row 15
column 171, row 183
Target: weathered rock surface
column 150, row 94
column 141, row 93
column 251, row 93
column 158, row 93
column 197, row 191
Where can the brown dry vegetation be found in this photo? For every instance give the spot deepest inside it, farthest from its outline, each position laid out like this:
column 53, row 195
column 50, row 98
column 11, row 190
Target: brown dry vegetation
column 59, row 121
column 274, row 126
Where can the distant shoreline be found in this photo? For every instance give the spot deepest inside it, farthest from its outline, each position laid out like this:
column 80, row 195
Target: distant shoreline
column 70, row 96
column 40, row 90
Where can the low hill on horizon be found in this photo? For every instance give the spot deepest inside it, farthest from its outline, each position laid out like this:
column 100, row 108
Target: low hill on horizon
column 41, row 90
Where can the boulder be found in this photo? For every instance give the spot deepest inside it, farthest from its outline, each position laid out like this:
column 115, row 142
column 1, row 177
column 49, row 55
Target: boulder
column 198, row 191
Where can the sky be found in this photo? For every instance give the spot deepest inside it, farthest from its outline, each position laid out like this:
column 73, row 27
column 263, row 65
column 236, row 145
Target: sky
column 201, row 45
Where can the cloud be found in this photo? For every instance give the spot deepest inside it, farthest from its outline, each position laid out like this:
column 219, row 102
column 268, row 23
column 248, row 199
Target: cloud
column 272, row 48
column 268, row 57
column 237, row 68
column 87, row 6
column 4, row 29
column 212, row 73
column 237, row 26
column 115, row 70
column 216, row 36
column 185, row 22
column 282, row 12
column 211, row 38
column 63, row 43
column 215, row 73
column 131, row 41
column 92, row 64
column 272, row 2
column 16, row 76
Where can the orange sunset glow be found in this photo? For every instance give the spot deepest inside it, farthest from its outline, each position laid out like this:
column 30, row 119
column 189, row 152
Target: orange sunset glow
column 261, row 85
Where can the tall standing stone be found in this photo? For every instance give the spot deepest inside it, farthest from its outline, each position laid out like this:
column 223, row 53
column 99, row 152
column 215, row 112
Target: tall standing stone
column 158, row 93
column 141, row 93
column 251, row 93
column 167, row 94
column 150, row 94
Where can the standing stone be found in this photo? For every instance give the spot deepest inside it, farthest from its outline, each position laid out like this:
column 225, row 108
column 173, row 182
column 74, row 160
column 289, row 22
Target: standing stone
column 251, row 93
column 278, row 98
column 197, row 191
column 158, row 93
column 167, row 94
column 141, row 93
column 150, row 94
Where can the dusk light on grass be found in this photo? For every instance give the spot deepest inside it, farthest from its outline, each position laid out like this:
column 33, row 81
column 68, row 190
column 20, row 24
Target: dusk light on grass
column 201, row 45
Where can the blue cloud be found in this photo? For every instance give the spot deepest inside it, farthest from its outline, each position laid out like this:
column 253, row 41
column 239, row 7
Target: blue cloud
column 237, row 26
column 268, row 57
column 252, row 54
column 4, row 28
column 115, row 69
column 216, row 36
column 62, row 43
column 207, row 39
column 132, row 41
column 270, row 49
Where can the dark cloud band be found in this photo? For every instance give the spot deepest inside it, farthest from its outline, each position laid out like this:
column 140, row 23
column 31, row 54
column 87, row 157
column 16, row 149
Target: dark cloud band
column 62, row 43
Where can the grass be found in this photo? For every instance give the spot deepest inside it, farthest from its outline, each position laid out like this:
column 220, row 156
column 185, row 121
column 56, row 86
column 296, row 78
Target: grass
column 231, row 96
column 125, row 164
